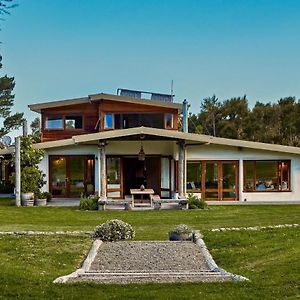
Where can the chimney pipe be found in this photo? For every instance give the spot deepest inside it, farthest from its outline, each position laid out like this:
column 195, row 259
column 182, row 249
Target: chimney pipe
column 185, row 113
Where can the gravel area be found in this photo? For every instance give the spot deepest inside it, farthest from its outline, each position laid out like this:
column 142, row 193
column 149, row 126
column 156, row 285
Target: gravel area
column 149, row 256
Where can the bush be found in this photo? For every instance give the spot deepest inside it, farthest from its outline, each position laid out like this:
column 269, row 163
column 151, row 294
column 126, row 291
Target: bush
column 196, row 202
column 114, row 230
column 89, row 203
column 48, row 196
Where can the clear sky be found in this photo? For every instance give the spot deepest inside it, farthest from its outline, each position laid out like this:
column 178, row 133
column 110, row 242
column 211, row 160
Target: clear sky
column 60, row 49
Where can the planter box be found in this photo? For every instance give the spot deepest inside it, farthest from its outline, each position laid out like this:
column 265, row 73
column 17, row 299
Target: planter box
column 41, row 202
column 173, row 236
column 27, row 199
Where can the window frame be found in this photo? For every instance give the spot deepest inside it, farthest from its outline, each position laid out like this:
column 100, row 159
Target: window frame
column 63, row 118
column 279, row 173
column 166, row 120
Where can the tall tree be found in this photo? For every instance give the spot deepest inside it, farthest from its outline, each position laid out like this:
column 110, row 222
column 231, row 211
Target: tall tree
column 9, row 120
column 210, row 115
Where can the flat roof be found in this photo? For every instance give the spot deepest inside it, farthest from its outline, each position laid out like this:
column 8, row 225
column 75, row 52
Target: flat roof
column 102, row 96
column 189, row 138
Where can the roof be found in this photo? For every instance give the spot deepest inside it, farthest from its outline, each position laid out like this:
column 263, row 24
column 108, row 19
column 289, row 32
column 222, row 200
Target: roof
column 189, row 138
column 97, row 97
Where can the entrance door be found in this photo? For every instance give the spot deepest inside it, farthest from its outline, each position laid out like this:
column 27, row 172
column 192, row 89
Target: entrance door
column 220, row 180
column 71, row 176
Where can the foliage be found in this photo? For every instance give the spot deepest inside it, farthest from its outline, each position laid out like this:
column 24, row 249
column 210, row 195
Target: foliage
column 182, row 229
column 275, row 123
column 47, row 196
column 89, row 203
column 114, row 230
column 44, row 195
column 32, row 179
column 36, row 130
column 196, row 202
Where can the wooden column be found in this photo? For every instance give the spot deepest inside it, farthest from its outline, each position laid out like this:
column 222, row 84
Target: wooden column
column 102, row 171
column 181, row 164
column 18, row 170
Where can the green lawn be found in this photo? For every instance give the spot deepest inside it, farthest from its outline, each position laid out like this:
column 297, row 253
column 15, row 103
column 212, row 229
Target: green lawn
column 269, row 258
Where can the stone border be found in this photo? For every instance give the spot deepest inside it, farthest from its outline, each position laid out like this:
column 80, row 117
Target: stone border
column 254, row 227
column 85, row 266
column 211, row 262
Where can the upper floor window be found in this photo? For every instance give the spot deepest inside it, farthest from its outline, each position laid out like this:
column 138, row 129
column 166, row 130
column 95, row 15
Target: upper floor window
column 64, row 122
column 73, row 122
column 168, row 121
column 54, row 123
column 130, row 120
column 266, row 175
column 108, row 121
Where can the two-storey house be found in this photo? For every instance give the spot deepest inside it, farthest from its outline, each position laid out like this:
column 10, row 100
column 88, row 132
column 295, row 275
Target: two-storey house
column 110, row 144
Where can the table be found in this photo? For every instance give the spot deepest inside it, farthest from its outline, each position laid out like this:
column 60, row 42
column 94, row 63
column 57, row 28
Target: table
column 142, row 193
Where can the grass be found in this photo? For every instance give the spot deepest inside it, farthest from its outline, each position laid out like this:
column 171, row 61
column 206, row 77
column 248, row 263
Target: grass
column 269, row 258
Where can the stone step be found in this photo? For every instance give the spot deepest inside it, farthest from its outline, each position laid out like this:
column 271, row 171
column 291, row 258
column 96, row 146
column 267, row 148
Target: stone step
column 141, row 277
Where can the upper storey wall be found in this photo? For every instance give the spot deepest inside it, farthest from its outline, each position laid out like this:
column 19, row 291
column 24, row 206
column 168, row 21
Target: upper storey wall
column 66, row 121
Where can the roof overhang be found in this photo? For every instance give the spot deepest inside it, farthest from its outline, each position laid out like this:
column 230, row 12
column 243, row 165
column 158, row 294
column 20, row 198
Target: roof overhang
column 98, row 97
column 162, row 134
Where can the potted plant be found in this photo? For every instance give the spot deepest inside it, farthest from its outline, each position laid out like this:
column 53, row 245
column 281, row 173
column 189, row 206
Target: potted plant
column 181, row 232
column 41, row 199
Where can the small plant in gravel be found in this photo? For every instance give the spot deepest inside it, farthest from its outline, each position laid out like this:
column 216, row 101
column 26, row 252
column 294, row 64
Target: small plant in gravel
column 181, row 232
column 113, row 230
column 196, row 202
column 182, row 229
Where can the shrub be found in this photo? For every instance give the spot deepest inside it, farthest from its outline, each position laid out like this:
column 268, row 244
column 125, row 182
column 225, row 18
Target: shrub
column 89, row 203
column 48, row 196
column 196, row 202
column 114, row 230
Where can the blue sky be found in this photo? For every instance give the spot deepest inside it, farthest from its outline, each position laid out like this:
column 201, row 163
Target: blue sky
column 59, row 49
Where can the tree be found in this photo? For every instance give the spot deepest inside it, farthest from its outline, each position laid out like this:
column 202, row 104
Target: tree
column 5, row 5
column 9, row 121
column 36, row 130
column 210, row 115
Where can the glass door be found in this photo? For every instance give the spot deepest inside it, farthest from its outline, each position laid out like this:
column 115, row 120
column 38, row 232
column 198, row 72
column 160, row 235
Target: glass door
column 75, row 179
column 212, row 181
column 58, row 176
column 71, row 176
column 220, row 180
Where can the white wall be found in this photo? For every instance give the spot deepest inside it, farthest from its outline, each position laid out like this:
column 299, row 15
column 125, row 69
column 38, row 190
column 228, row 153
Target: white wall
column 216, row 152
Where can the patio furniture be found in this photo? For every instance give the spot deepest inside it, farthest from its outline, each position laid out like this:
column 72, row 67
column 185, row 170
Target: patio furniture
column 141, row 193
column 182, row 203
column 103, row 203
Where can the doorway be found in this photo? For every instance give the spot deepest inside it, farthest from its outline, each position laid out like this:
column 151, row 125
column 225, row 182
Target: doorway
column 220, row 180
column 71, row 175
column 137, row 173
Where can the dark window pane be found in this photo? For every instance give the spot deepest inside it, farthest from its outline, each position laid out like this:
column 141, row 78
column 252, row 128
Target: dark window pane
column 249, row 175
column 211, row 178
column 73, row 122
column 229, row 170
column 193, row 176
column 169, row 120
column 266, row 175
column 113, row 173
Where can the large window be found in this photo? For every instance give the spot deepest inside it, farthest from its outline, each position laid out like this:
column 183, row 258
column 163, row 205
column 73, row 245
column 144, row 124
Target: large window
column 113, row 169
column 266, row 175
column 193, row 182
column 130, row 120
column 64, row 122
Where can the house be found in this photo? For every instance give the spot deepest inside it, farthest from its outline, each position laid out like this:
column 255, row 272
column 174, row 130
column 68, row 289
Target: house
column 110, row 144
